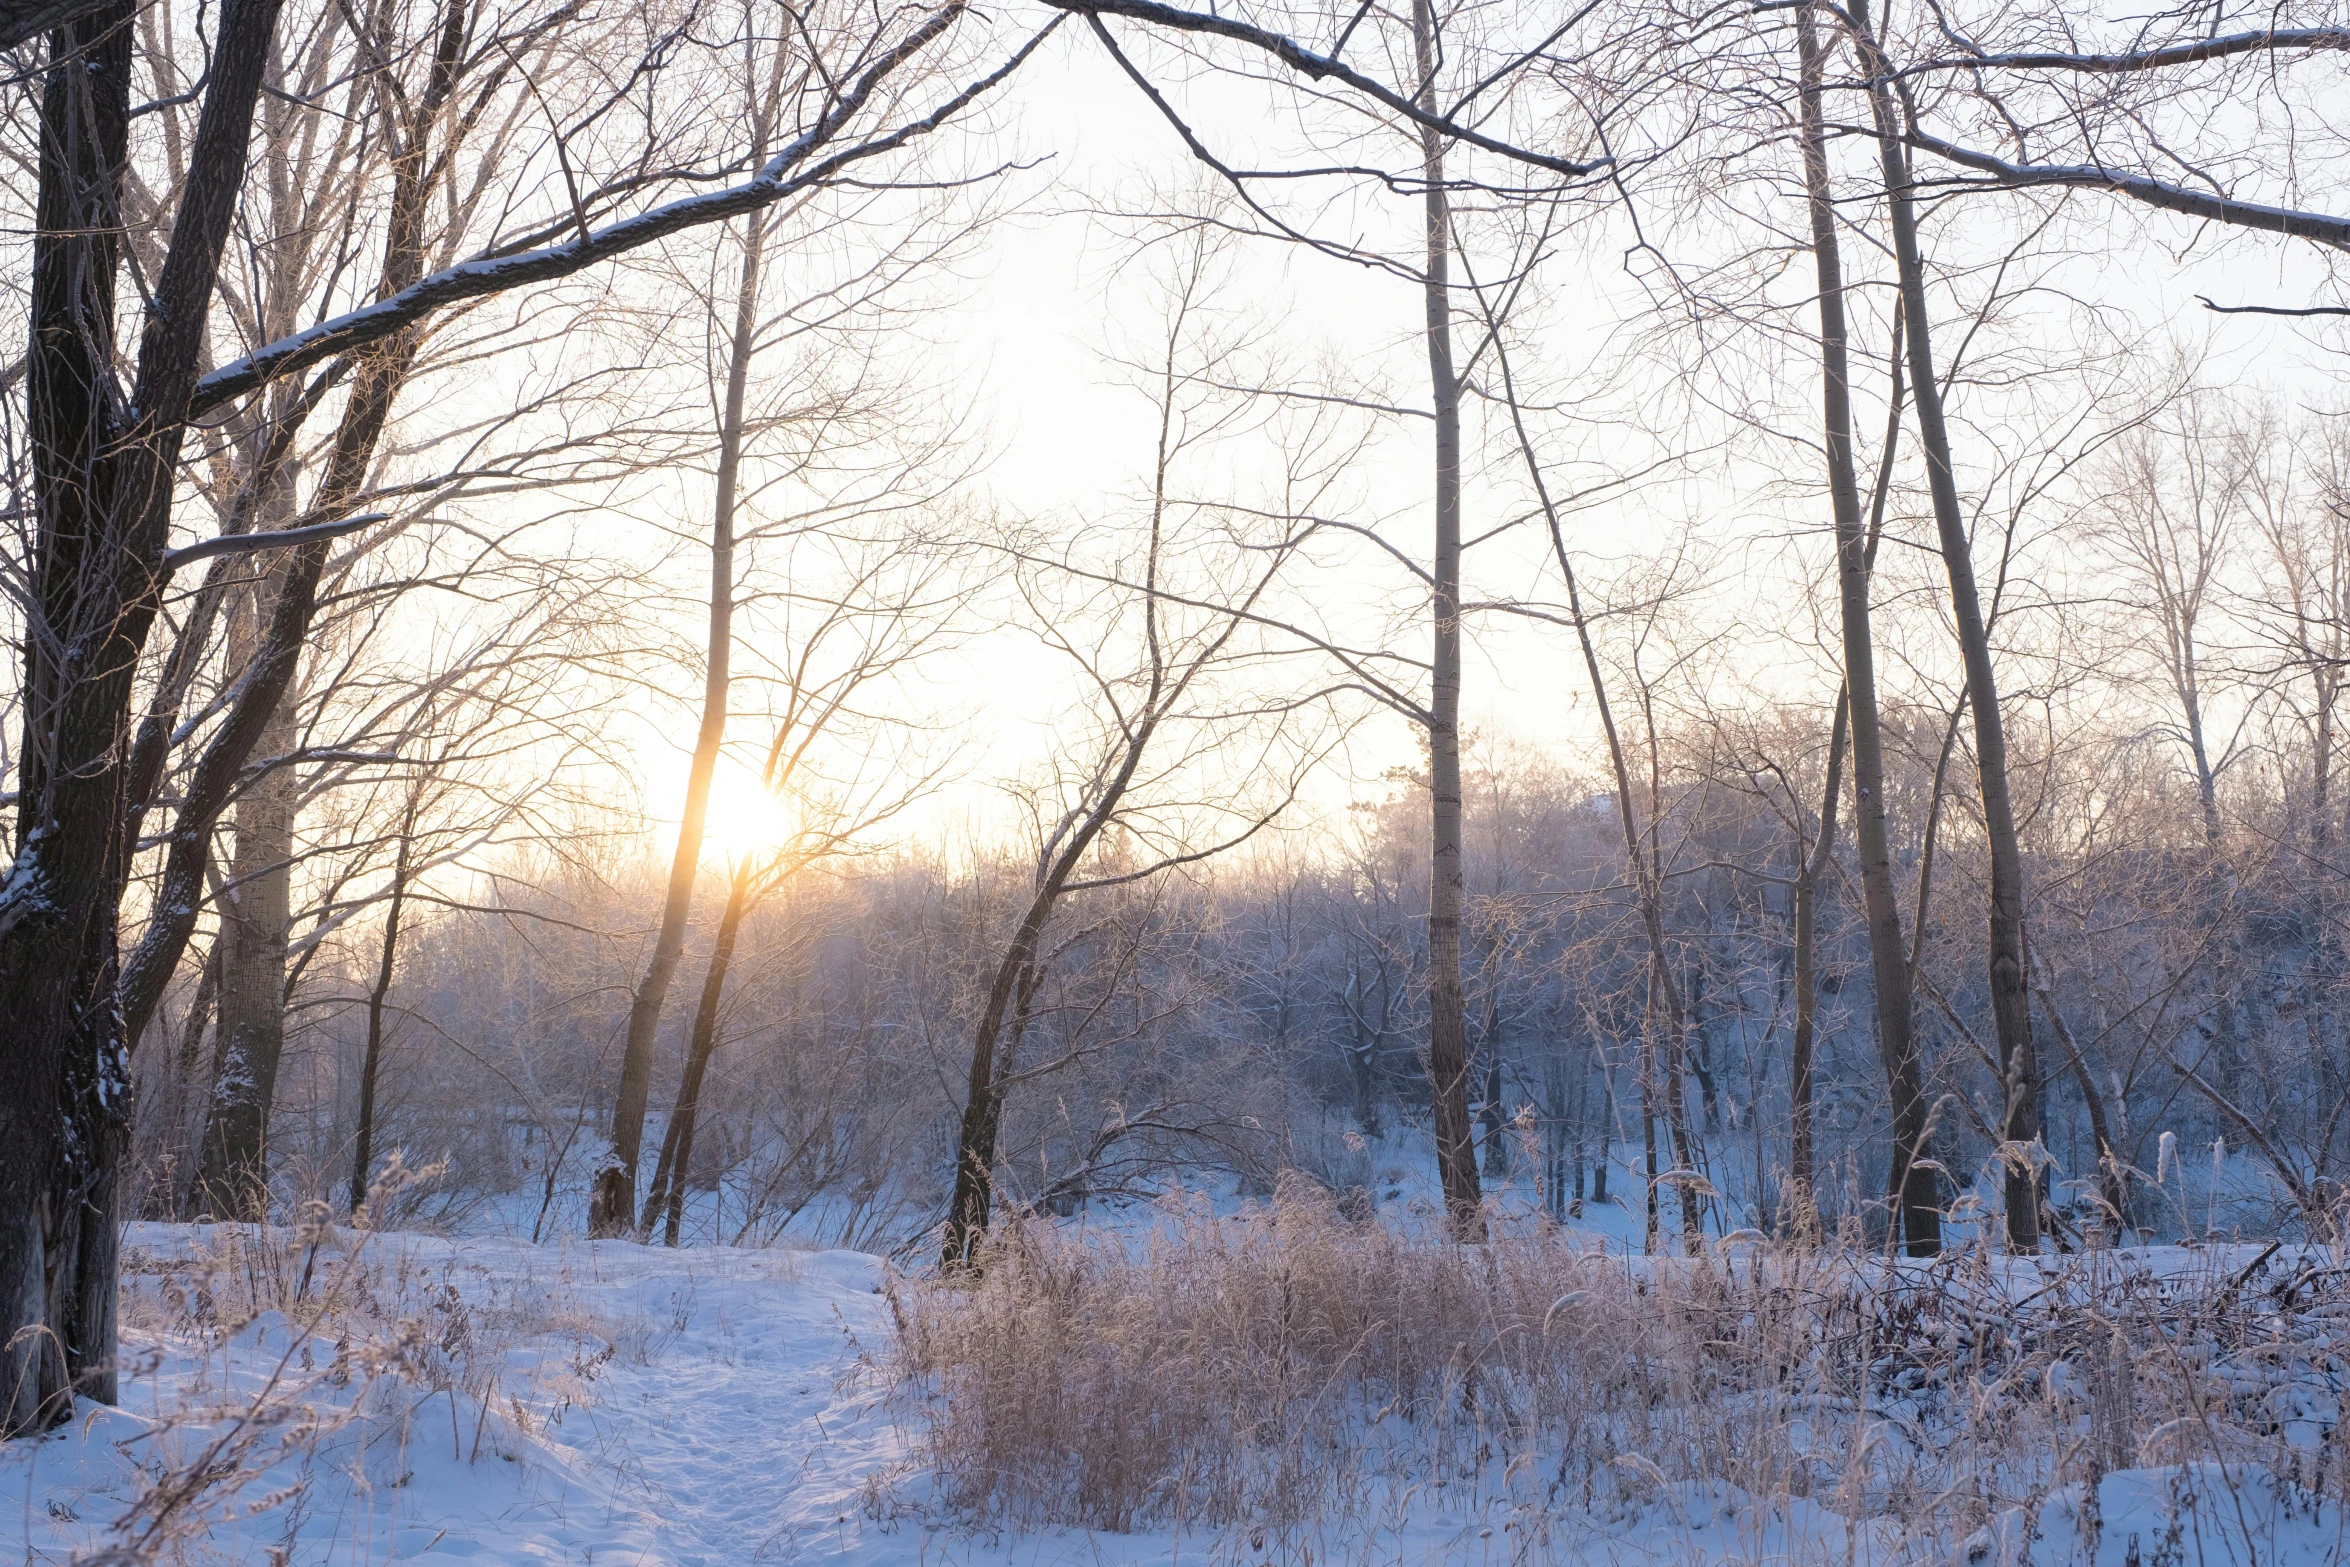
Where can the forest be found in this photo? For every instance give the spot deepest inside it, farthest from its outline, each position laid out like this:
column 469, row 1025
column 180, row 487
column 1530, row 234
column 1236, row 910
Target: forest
column 1432, row 781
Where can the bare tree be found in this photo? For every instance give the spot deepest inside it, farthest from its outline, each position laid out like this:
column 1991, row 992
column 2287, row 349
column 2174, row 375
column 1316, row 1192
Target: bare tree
column 1169, row 640
column 99, row 554
column 892, row 611
column 1858, row 704
column 2011, row 1002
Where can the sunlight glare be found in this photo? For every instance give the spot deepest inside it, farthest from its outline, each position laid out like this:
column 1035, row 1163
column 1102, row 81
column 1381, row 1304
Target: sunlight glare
column 747, row 818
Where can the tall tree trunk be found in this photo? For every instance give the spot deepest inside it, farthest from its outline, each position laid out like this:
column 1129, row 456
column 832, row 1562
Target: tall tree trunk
column 1696, row 1044
column 103, row 469
column 1802, row 1202
column 1020, row 970
column 2113, row 1186
column 1555, row 1113
column 667, row 1197
column 371, row 1063
column 255, row 909
column 186, row 1095
column 2011, row 1009
column 2178, row 605
column 1920, row 1217
column 2325, row 950
column 1664, row 1011
column 1448, row 1043
column 1362, row 1056
column 612, row 1207
column 1001, row 1024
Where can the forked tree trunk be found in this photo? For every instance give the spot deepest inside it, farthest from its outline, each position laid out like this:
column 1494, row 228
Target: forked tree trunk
column 164, row 1195
column 666, row 1200
column 1920, row 1217
column 2011, row 1007
column 1448, row 1032
column 612, row 1205
column 2113, row 1184
column 994, row 1048
column 1011, row 991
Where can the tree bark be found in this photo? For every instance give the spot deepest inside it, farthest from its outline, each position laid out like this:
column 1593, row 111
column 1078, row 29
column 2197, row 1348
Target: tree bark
column 1802, row 1202
column 371, row 1063
column 667, row 1197
column 255, row 909
column 970, row 1206
column 1448, row 1043
column 1920, row 1216
column 102, row 478
column 1496, row 1128
column 2011, row 1008
column 612, row 1207
column 2325, row 949
column 232, row 1179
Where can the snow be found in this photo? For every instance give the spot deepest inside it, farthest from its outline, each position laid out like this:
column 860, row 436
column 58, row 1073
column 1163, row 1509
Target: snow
column 486, row 1400
column 697, row 1406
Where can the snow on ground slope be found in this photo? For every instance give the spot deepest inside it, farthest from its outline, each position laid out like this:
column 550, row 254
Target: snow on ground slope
column 604, row 1402
column 485, row 1401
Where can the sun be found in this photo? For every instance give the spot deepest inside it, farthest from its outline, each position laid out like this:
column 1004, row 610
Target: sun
column 747, row 819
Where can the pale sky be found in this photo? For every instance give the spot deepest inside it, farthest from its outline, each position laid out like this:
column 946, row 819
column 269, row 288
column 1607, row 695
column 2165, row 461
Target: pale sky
column 1055, row 289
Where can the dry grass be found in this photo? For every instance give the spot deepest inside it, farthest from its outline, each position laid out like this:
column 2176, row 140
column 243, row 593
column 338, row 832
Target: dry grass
column 1267, row 1373
column 292, row 1367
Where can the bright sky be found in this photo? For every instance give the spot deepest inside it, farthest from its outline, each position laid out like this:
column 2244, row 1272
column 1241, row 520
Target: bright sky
column 1055, row 290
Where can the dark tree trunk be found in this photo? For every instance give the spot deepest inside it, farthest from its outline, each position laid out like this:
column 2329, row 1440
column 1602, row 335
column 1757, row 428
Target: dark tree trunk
column 612, row 1206
column 103, row 467
column 1448, row 1042
column 1694, row 1036
column 1497, row 1134
column 1802, row 1201
column 1920, row 1217
column 2113, row 1184
column 994, row 1048
column 666, row 1200
column 186, row 1095
column 371, row 1063
column 2011, row 1008
column 1607, row 1129
column 1362, row 1055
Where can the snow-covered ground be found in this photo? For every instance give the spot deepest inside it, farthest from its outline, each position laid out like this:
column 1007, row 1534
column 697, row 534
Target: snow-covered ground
column 489, row 1401
column 606, row 1402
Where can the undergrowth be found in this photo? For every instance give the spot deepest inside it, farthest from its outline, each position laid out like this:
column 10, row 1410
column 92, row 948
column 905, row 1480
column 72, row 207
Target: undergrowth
column 290, row 1368
column 1264, row 1374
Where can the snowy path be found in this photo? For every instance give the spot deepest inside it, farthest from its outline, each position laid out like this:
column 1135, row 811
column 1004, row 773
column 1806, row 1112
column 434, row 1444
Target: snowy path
column 736, row 1418
column 753, row 1429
